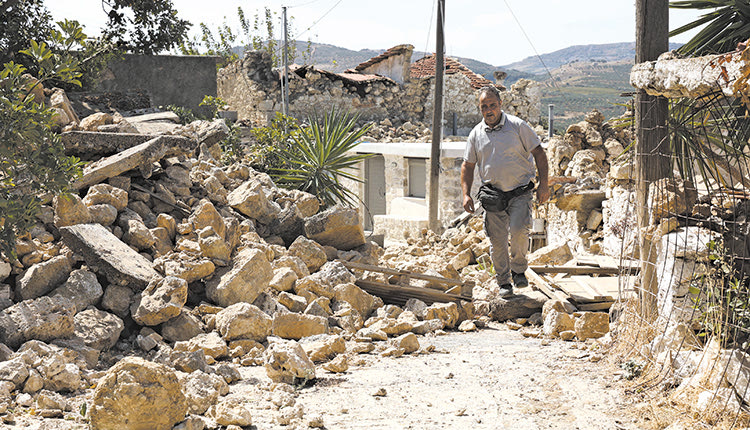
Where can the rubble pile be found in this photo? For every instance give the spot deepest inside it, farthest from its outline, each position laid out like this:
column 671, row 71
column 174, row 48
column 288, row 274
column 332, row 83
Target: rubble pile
column 386, row 131
column 591, row 179
column 166, row 271
column 137, row 299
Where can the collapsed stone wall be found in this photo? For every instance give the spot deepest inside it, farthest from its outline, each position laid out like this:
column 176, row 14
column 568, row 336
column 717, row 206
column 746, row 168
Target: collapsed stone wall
column 252, row 87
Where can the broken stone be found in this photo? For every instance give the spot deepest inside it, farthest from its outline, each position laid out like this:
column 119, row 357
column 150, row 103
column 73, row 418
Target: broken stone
column 248, row 277
column 211, row 344
column 42, row 278
column 93, row 121
column 161, row 301
column 184, row 326
column 285, row 361
column 553, row 255
column 340, row 364
column 141, row 156
column 283, row 279
column 292, row 302
column 243, row 321
column 591, row 325
column 446, row 312
column 296, row 326
column 310, row 252
column 103, row 251
column 557, row 322
column 98, row 329
column 103, row 214
column 70, row 210
column 360, row 300
column 231, row 412
column 44, row 318
column 206, row 215
column 188, row 268
column 100, row 194
column 117, row 299
column 338, row 226
column 670, row 197
column 138, row 394
column 408, row 342
column 288, row 225
column 323, row 347
column 250, row 199
column 202, row 390
column 594, row 220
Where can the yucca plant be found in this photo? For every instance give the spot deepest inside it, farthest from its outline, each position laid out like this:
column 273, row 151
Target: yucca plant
column 321, row 155
column 725, row 26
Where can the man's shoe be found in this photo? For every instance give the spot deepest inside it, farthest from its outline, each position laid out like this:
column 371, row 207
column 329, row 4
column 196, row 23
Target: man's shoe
column 506, row 290
column 519, row 280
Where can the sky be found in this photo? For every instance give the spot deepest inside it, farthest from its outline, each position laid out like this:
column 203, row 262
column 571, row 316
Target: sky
column 497, row 32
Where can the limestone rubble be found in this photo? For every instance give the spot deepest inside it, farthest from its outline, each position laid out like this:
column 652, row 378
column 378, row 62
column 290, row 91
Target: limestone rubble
column 177, row 269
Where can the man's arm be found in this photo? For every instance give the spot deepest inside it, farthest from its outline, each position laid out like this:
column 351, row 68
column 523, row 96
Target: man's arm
column 467, row 178
column 542, row 167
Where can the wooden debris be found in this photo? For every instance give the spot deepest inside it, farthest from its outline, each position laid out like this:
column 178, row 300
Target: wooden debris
column 401, row 292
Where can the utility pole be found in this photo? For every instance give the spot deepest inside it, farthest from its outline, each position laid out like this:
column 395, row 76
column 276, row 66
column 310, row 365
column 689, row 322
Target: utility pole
column 285, row 84
column 437, row 121
column 550, row 121
column 652, row 140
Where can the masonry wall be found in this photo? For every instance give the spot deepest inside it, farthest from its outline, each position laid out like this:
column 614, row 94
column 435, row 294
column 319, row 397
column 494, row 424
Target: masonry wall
column 170, row 79
column 252, row 88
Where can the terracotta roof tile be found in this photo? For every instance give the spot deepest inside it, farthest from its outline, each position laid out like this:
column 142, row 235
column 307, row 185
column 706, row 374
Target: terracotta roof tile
column 396, row 50
column 425, row 67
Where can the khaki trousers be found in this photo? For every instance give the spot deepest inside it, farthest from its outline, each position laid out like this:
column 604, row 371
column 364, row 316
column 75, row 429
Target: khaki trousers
column 516, row 220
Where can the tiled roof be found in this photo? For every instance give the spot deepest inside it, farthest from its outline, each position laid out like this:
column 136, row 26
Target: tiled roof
column 348, row 75
column 425, row 67
column 396, row 50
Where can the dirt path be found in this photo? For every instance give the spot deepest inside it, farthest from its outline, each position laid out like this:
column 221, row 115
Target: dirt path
column 491, row 379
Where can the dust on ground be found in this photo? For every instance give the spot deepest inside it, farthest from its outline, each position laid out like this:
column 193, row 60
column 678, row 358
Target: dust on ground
column 490, row 379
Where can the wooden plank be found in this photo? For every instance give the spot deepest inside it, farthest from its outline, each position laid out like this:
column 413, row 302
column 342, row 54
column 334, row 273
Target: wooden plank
column 607, row 261
column 398, row 272
column 586, row 283
column 576, row 291
column 590, row 307
column 542, row 285
column 398, row 294
column 576, row 270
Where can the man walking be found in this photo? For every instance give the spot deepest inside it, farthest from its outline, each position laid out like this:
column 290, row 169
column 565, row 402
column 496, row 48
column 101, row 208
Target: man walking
column 505, row 149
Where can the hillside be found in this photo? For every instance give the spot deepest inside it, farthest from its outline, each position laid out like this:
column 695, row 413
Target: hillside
column 580, row 78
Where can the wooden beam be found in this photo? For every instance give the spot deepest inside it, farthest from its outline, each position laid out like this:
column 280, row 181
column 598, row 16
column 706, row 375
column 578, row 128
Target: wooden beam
column 542, row 285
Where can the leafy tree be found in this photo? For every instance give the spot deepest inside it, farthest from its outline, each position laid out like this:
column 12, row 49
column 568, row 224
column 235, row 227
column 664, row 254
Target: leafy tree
column 144, row 26
column 320, row 155
column 32, row 158
column 260, row 34
column 726, row 25
column 22, row 21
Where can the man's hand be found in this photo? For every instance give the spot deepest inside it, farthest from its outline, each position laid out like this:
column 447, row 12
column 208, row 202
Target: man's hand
column 468, row 204
column 542, row 193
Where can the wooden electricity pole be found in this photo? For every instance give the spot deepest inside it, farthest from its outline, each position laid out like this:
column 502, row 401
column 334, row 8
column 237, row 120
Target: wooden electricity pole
column 437, row 122
column 652, row 141
column 285, row 54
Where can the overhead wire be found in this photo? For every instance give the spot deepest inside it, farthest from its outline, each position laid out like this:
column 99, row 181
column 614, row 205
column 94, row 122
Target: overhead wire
column 429, row 27
column 539, row 57
column 318, row 20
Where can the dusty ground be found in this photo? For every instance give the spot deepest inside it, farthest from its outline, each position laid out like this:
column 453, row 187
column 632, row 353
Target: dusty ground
column 491, row 379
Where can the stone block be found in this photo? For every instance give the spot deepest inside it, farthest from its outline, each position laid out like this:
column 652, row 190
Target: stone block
column 43, row 277
column 248, row 277
column 338, row 226
column 106, row 253
column 45, row 318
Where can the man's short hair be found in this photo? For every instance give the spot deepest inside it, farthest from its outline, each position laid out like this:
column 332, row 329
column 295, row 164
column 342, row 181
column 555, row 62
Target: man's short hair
column 489, row 89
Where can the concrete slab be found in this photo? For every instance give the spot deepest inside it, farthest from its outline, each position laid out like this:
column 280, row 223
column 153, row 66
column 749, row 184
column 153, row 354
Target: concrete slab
column 103, row 251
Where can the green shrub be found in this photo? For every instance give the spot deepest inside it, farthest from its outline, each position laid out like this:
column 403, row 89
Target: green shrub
column 32, row 158
column 267, row 153
column 320, row 155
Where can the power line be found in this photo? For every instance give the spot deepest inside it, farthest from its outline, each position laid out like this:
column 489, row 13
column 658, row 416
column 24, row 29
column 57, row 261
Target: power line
column 429, row 28
column 318, row 20
column 552, row 79
column 303, row 4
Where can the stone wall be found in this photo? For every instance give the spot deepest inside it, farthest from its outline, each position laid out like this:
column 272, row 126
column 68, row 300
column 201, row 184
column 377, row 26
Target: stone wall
column 253, row 89
column 170, row 79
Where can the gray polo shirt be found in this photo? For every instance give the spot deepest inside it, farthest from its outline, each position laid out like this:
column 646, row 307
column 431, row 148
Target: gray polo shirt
column 503, row 154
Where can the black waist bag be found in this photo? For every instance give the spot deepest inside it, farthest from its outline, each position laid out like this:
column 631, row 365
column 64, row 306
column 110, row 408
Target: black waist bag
column 496, row 200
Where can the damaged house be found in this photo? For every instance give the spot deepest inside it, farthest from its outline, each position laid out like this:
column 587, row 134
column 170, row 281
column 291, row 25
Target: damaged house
column 391, row 92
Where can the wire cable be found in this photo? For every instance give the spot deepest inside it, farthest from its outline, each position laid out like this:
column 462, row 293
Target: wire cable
column 429, row 27
column 318, row 20
column 528, row 39
column 303, row 4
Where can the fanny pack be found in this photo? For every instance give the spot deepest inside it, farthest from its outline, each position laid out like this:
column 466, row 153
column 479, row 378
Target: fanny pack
column 496, row 200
